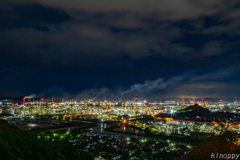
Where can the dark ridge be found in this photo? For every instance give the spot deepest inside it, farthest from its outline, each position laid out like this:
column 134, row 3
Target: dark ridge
column 18, row 144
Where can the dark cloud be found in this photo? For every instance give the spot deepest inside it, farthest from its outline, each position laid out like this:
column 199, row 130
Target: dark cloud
column 206, row 89
column 134, row 40
column 114, row 29
column 6, row 68
column 31, row 16
column 163, row 84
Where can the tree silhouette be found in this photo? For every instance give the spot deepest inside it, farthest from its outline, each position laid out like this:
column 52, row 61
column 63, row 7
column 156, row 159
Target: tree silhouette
column 17, row 144
column 225, row 143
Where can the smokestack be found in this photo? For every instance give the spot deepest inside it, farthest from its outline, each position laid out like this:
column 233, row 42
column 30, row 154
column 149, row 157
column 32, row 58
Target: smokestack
column 41, row 101
column 136, row 98
column 120, row 100
column 183, row 99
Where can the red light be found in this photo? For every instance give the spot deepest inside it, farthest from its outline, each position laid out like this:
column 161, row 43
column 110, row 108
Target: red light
column 42, row 99
column 136, row 95
column 24, row 99
column 202, row 98
column 220, row 100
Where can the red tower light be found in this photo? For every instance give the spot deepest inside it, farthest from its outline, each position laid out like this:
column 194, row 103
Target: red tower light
column 136, row 98
column 41, row 99
column 183, row 99
column 24, row 99
column 220, row 100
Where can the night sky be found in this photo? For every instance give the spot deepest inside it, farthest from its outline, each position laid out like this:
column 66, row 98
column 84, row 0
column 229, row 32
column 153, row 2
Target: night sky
column 87, row 48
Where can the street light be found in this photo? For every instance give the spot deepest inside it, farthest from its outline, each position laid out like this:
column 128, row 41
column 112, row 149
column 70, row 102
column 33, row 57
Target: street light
column 32, row 117
column 171, row 112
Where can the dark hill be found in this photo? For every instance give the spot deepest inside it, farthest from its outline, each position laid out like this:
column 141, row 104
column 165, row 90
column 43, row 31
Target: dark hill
column 194, row 110
column 191, row 111
column 17, row 144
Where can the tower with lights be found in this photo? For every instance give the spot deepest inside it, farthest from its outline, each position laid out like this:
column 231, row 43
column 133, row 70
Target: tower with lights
column 24, row 100
column 136, row 98
column 183, row 99
column 120, row 100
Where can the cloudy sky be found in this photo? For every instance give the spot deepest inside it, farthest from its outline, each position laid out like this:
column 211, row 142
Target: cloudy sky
column 109, row 48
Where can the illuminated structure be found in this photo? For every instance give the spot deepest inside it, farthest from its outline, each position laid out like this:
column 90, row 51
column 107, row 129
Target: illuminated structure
column 120, row 99
column 136, row 98
column 183, row 99
column 41, row 101
column 193, row 100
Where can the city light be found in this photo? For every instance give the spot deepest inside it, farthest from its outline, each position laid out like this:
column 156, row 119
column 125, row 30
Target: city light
column 119, row 80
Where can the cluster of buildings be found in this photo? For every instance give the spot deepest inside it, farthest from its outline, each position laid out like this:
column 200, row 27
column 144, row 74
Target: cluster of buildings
column 28, row 107
column 113, row 147
column 131, row 117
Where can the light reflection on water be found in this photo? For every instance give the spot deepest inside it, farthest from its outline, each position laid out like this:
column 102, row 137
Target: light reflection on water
column 129, row 129
column 99, row 130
